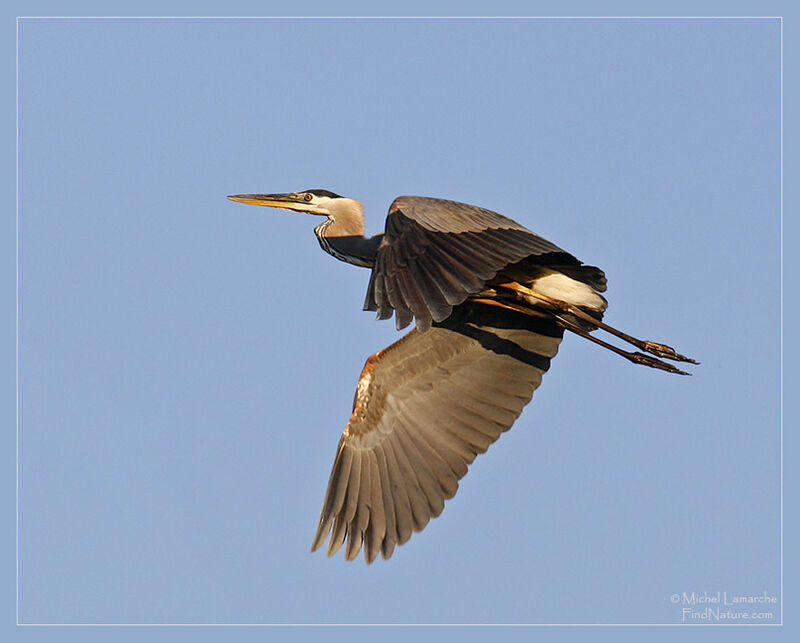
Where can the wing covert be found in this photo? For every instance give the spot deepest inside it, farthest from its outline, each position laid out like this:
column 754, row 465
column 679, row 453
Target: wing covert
column 424, row 408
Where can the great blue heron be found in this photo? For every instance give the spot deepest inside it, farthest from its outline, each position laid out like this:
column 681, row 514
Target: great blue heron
column 491, row 301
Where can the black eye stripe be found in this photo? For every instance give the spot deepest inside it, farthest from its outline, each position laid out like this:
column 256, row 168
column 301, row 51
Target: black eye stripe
column 326, row 193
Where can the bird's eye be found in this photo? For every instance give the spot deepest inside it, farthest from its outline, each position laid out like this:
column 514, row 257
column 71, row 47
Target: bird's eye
column 308, row 196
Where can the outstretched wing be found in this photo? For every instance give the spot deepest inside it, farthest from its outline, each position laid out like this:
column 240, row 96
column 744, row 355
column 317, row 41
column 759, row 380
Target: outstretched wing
column 435, row 253
column 424, row 408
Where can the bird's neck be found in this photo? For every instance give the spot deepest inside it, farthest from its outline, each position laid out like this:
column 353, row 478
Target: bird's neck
column 342, row 234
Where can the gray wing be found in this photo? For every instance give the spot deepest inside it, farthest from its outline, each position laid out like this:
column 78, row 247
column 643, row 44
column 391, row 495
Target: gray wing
column 424, row 408
column 435, row 253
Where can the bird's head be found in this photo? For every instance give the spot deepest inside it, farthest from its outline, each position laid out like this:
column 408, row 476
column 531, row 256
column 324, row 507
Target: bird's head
column 321, row 202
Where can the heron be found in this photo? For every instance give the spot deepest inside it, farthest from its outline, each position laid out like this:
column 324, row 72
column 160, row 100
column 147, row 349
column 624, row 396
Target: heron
column 491, row 301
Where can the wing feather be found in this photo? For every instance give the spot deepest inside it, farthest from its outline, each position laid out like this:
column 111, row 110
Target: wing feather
column 452, row 450
column 470, row 262
column 390, row 537
column 424, row 282
column 459, row 246
column 444, row 477
column 410, row 292
column 410, row 478
column 393, row 297
column 425, row 477
column 438, row 272
column 348, row 511
column 337, row 490
column 403, row 476
column 376, row 528
column 454, row 274
column 337, row 535
column 358, row 524
column 424, row 408
column 480, row 251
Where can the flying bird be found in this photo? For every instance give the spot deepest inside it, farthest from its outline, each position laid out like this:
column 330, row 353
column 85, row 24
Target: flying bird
column 491, row 301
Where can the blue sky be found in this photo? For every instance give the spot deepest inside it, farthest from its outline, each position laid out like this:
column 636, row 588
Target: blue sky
column 187, row 364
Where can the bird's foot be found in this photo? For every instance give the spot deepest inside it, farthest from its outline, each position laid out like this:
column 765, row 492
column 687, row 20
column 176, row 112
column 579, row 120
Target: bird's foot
column 667, row 352
column 652, row 362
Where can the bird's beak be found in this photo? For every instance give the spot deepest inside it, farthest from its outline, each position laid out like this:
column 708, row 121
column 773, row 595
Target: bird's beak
column 285, row 201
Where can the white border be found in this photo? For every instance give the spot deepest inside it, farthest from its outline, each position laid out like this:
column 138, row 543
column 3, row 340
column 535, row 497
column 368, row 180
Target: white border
column 17, row 308
column 20, row 624
column 781, row 322
column 401, row 18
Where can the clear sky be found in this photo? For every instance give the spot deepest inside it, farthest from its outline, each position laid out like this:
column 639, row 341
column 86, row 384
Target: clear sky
column 187, row 364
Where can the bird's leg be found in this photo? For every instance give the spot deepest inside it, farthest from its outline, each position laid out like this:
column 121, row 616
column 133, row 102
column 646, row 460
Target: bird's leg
column 636, row 358
column 661, row 350
column 510, row 306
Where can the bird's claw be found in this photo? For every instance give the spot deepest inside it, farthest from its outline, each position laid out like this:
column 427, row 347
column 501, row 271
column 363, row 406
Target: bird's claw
column 652, row 362
column 667, row 352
